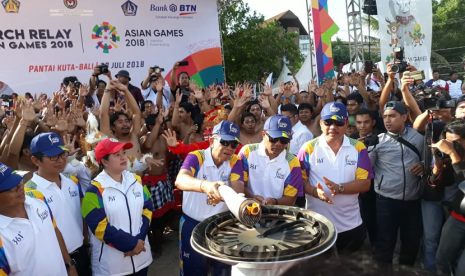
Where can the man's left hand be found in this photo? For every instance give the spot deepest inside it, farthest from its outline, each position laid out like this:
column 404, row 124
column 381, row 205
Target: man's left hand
column 333, row 187
column 416, row 169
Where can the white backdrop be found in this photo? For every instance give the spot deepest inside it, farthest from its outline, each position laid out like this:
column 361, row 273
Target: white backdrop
column 42, row 42
column 406, row 23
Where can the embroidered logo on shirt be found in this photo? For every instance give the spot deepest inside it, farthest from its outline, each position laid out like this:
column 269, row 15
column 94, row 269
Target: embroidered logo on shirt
column 42, row 215
column 279, row 175
column 253, row 166
column 136, row 194
column 320, row 160
column 50, row 199
column 350, row 162
column 223, row 177
column 73, row 193
column 205, row 177
column 111, row 198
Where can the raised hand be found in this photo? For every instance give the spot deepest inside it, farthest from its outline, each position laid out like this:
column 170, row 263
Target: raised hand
column 69, row 144
column 192, row 129
column 38, row 102
column 170, row 137
column 263, row 100
column 84, row 90
column 198, row 94
column 61, row 103
column 71, row 122
column 118, row 105
column 355, row 79
column 213, row 93
column 248, row 89
column 62, row 123
column 9, row 121
column 346, row 79
column 312, row 86
column 79, row 116
column 178, row 97
column 28, row 113
column 267, row 90
column 159, row 87
column 96, row 111
column 19, row 109
column 154, row 162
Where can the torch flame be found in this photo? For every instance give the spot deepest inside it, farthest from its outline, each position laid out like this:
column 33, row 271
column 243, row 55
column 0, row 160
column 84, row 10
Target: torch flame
column 253, row 209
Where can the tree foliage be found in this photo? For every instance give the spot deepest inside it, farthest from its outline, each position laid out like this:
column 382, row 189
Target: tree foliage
column 252, row 46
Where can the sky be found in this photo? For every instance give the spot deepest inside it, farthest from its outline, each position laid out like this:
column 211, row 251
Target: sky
column 337, row 11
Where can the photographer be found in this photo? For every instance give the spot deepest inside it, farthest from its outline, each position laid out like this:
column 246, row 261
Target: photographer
column 397, row 165
column 449, row 256
column 95, row 82
column 149, row 87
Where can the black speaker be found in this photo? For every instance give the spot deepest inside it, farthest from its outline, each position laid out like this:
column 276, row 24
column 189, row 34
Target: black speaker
column 369, row 7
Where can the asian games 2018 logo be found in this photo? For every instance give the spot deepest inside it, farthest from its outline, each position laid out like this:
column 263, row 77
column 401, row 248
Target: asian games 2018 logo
column 107, row 37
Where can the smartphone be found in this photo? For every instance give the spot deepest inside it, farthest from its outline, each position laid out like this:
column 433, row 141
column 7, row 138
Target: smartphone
column 385, row 77
column 184, row 63
column 368, row 66
column 416, row 75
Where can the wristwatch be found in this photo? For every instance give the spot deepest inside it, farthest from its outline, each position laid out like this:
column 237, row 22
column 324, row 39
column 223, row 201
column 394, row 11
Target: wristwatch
column 70, row 264
column 341, row 189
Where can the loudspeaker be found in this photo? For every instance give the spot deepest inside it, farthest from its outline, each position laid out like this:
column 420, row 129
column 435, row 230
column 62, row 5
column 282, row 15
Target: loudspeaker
column 369, row 7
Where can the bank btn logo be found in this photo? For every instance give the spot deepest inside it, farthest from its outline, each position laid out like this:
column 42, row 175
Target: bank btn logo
column 11, row 6
column 129, row 8
column 183, row 9
column 173, row 8
column 70, row 4
column 107, row 37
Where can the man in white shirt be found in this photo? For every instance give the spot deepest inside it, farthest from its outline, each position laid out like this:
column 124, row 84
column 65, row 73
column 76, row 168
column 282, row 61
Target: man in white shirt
column 202, row 172
column 436, row 81
column 455, row 85
column 154, row 83
column 300, row 134
column 343, row 166
column 30, row 242
column 63, row 195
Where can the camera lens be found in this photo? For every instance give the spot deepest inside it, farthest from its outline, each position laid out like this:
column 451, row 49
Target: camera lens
column 395, row 68
column 439, row 154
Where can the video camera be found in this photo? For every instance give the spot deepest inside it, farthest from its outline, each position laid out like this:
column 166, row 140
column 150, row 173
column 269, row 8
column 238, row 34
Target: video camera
column 401, row 64
column 7, row 98
column 77, row 84
column 436, row 103
column 103, row 68
column 157, row 69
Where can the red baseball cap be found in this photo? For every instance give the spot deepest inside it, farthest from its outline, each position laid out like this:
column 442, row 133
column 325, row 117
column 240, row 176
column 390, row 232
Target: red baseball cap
column 109, row 146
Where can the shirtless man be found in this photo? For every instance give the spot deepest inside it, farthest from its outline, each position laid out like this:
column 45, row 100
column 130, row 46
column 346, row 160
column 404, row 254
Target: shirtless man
column 182, row 117
column 248, row 133
column 118, row 125
column 157, row 180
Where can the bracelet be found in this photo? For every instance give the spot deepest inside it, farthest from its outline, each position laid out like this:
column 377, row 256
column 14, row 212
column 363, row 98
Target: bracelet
column 276, row 201
column 201, row 185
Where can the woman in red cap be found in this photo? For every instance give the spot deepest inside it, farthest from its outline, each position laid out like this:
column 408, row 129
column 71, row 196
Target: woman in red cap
column 118, row 210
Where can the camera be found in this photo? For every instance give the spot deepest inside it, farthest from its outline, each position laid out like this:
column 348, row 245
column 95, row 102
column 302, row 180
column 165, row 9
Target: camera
column 401, row 64
column 416, row 75
column 371, row 140
column 446, row 158
column 103, row 68
column 436, row 103
column 7, row 98
column 157, row 69
column 77, row 84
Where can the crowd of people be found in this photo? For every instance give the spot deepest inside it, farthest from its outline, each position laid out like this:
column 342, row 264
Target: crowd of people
column 105, row 163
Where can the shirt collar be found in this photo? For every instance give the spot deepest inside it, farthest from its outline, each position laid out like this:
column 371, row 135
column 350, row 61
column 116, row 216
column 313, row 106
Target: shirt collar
column 209, row 158
column 42, row 182
column 261, row 151
column 6, row 221
column 106, row 181
column 322, row 141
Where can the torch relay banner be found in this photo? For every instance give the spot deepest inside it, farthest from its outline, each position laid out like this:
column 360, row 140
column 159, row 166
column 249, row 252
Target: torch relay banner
column 42, row 42
column 406, row 23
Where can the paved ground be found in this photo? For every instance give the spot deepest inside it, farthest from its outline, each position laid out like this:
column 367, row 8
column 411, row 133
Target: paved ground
column 168, row 263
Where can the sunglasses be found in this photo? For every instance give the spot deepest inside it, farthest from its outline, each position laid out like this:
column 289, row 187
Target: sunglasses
column 330, row 122
column 233, row 144
column 283, row 140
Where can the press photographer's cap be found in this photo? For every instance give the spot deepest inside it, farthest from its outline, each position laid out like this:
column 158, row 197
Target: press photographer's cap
column 109, row 146
column 48, row 143
column 10, row 178
column 460, row 100
column 335, row 111
column 123, row 73
column 396, row 106
column 278, row 126
column 227, row 131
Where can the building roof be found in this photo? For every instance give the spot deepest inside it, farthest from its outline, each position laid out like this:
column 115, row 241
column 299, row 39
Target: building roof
column 289, row 19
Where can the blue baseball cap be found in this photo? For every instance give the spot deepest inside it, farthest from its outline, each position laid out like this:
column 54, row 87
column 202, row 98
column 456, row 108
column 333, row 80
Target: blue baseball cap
column 278, row 126
column 227, row 131
column 335, row 111
column 10, row 178
column 48, row 143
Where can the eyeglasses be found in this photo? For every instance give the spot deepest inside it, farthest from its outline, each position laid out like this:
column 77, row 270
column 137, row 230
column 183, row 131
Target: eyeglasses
column 330, row 122
column 255, row 109
column 16, row 189
column 283, row 140
column 63, row 155
column 249, row 121
column 233, row 144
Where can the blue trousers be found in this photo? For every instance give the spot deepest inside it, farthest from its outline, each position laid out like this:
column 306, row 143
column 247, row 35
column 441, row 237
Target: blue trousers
column 193, row 263
column 450, row 256
column 433, row 217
